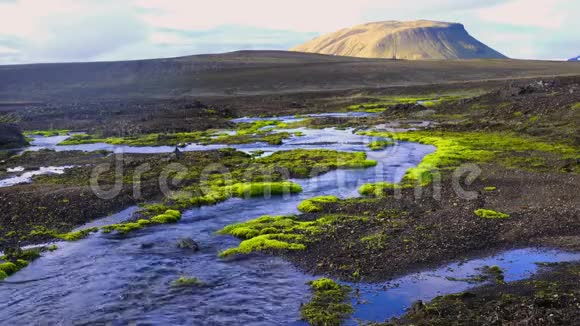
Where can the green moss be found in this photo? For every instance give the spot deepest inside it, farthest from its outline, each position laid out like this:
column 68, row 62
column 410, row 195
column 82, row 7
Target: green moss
column 27, row 254
column 380, row 144
column 316, row 204
column 455, row 148
column 184, row 281
column 154, row 209
column 258, row 131
column 488, row 213
column 271, row 233
column 3, row 275
column 496, row 272
column 379, row 189
column 9, row 268
column 142, row 140
column 490, row 188
column 170, row 216
column 262, row 188
column 375, row 241
column 302, row 163
column 266, row 242
column 123, row 228
column 21, row 263
column 52, row 247
column 75, row 236
column 47, row 133
column 329, row 304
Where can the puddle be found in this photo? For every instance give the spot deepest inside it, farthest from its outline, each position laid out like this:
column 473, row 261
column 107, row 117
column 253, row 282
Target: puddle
column 377, row 304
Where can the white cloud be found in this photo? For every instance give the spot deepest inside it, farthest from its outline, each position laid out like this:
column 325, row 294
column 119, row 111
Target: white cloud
column 63, row 30
column 537, row 13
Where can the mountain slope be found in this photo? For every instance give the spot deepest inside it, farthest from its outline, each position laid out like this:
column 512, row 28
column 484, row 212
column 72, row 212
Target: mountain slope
column 248, row 73
column 413, row 40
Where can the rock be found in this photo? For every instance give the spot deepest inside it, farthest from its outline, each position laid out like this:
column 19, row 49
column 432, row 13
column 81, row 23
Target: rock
column 176, row 155
column 188, row 243
column 405, row 108
column 416, row 307
column 11, row 136
column 147, row 245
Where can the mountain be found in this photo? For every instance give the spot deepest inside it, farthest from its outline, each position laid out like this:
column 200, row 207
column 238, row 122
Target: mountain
column 246, row 73
column 575, row 59
column 412, row 40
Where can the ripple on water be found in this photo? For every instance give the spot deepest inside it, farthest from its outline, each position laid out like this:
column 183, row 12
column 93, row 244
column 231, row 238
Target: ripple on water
column 111, row 278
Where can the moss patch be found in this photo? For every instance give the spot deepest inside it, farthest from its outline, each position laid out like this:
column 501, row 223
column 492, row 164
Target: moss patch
column 15, row 260
column 377, row 189
column 488, row 213
column 455, row 148
column 75, row 236
column 378, row 145
column 273, row 233
column 316, row 204
column 329, row 304
column 184, row 281
column 302, row 163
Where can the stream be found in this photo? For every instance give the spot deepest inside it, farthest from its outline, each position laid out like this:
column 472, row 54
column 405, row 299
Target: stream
column 124, row 279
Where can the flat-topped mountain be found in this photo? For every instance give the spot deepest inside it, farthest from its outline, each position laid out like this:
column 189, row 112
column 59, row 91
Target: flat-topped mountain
column 412, row 40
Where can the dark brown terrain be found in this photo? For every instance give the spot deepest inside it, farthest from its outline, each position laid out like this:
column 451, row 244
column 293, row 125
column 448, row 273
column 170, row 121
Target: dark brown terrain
column 536, row 100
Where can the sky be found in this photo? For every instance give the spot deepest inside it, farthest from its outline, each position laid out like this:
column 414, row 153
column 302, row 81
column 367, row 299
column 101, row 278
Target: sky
column 34, row 31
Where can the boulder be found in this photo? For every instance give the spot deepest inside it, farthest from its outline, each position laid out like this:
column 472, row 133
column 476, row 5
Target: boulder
column 188, row 243
column 405, row 108
column 11, row 136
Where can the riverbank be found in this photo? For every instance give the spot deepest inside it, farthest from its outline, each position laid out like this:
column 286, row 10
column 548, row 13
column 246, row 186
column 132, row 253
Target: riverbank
column 524, row 195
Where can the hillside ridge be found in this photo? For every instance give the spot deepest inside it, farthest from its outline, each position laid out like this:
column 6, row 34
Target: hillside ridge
column 409, row 40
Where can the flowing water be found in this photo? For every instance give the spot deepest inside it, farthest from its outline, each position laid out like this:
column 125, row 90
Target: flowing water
column 26, row 177
column 122, row 279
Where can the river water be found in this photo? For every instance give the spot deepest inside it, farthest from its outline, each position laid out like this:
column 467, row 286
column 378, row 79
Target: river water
column 124, row 279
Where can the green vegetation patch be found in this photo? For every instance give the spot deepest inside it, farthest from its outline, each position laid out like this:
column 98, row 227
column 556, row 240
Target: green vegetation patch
column 329, row 304
column 379, row 189
column 303, row 163
column 375, row 241
column 316, row 204
column 70, row 236
column 257, row 131
column 262, row 188
column 378, row 145
column 488, row 213
column 47, row 133
column 169, row 216
column 496, row 273
column 273, row 233
column 185, row 281
column 455, row 148
column 15, row 260
column 381, row 104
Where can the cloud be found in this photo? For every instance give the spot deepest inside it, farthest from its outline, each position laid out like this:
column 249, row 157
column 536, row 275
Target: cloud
column 80, row 30
column 169, row 42
column 536, row 13
column 72, row 31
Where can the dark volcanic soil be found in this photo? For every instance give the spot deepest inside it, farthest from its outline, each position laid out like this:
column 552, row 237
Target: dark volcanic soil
column 550, row 298
column 420, row 232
